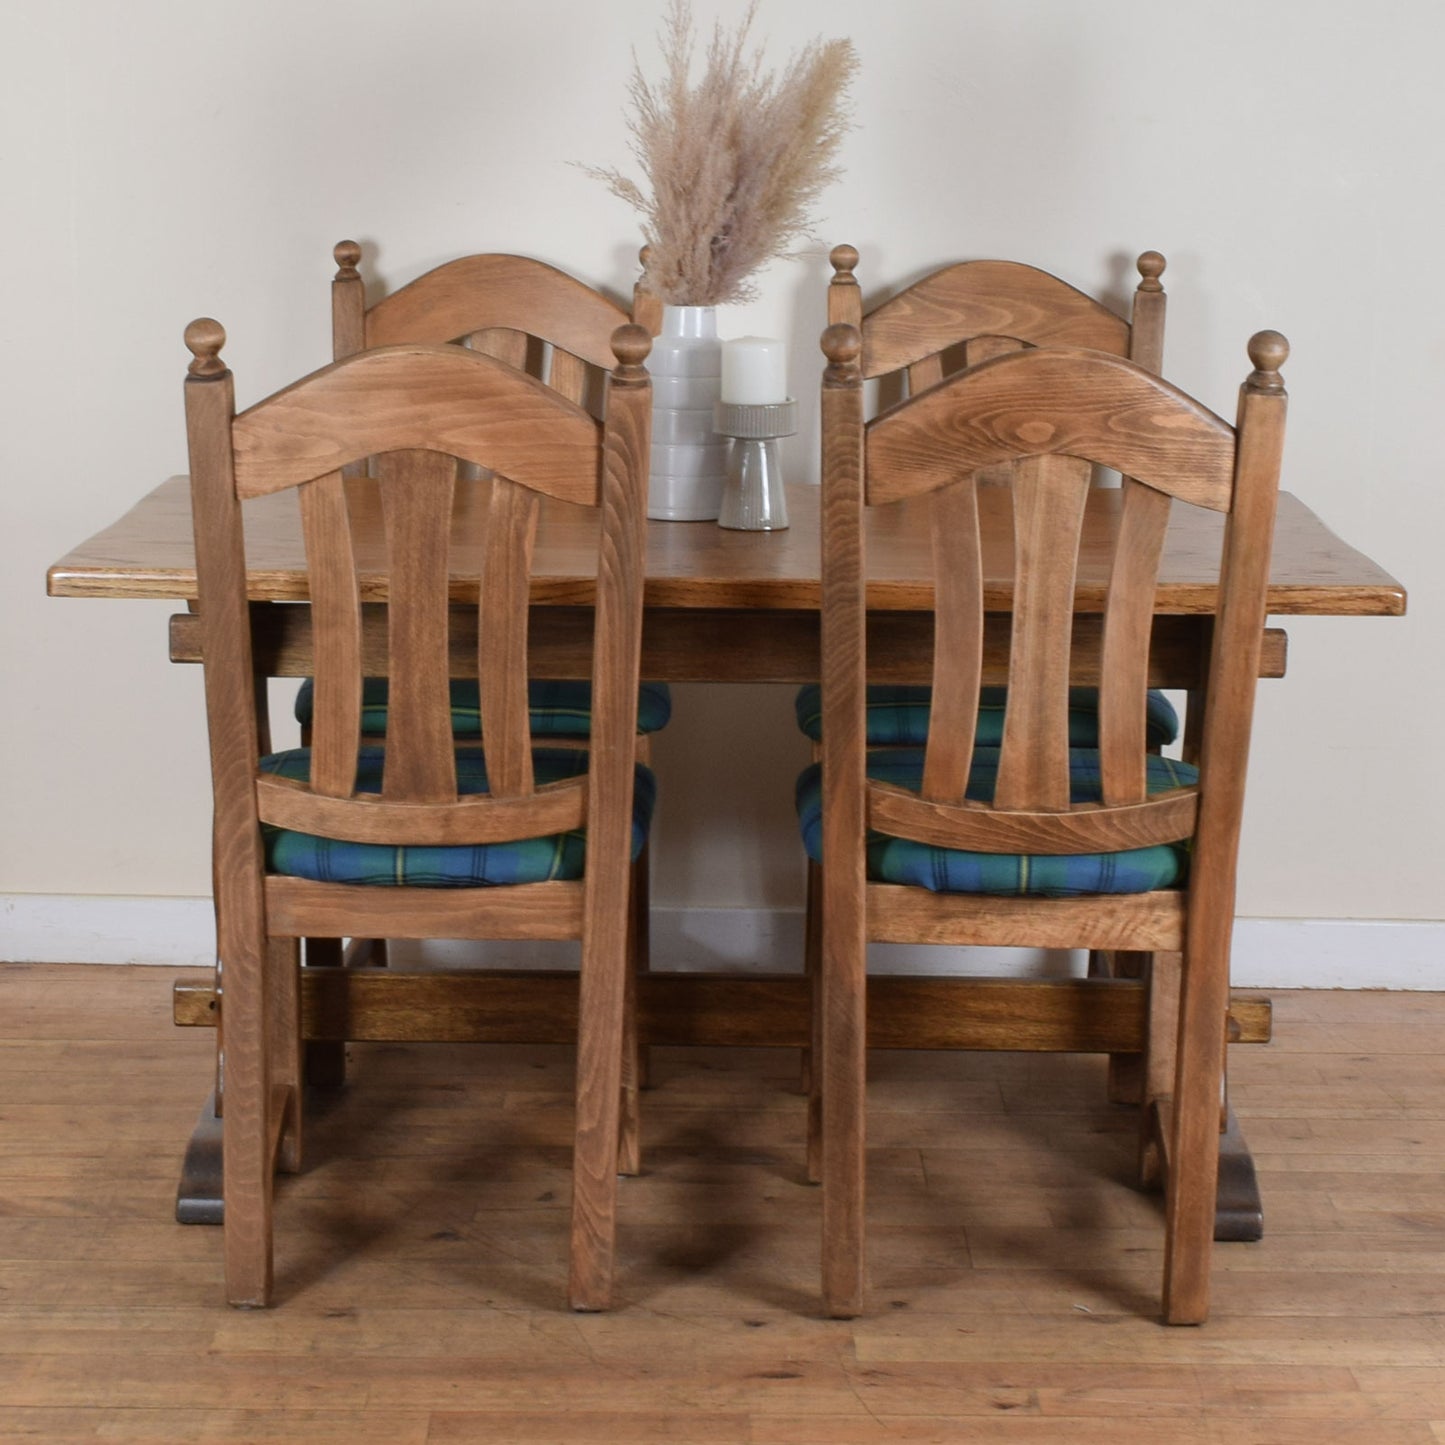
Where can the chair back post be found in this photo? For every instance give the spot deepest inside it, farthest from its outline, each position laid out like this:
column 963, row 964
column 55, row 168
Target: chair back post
column 348, row 302
column 845, row 296
column 348, row 314
column 1233, row 669
column 210, row 402
column 843, row 674
column 616, row 663
column 1146, row 329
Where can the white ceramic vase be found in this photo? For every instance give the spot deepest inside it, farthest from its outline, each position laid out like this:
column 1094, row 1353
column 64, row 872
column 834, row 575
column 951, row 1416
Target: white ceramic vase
column 689, row 459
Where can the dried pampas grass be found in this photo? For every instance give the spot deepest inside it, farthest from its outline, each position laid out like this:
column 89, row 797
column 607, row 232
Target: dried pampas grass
column 735, row 162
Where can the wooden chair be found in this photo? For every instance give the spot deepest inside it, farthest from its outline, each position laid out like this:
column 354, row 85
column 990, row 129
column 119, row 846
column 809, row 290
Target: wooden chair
column 285, row 823
column 992, row 822
column 548, row 324
column 956, row 317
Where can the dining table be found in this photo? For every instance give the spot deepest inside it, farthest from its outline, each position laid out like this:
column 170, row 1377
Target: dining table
column 725, row 606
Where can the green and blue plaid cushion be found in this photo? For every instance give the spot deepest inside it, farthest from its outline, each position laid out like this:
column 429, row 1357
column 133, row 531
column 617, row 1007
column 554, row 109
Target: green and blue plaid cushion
column 898, row 716
column 559, row 709
column 527, row 860
column 951, row 870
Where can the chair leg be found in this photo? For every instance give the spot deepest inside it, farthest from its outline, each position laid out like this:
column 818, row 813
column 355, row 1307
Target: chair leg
column 1161, row 1044
column 246, row 1138
column 601, row 1009
column 283, row 1020
column 1194, row 1135
column 843, row 1058
column 629, row 1137
column 642, row 948
column 812, row 1075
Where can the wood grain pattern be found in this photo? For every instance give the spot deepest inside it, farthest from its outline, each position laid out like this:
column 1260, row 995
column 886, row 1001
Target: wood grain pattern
column 471, row 407
column 986, row 298
column 476, row 293
column 1114, row 414
column 149, row 553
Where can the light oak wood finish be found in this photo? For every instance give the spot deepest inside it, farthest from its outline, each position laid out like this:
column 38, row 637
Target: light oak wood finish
column 1050, row 416
column 420, row 410
column 422, row 1262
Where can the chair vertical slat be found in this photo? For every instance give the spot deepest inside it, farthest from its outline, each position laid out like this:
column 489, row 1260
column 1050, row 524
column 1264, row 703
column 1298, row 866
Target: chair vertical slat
column 502, row 637
column 925, row 373
column 336, row 613
column 1049, row 497
column 985, row 348
column 1128, row 623
column 416, row 496
column 568, row 374
column 502, row 343
column 957, row 641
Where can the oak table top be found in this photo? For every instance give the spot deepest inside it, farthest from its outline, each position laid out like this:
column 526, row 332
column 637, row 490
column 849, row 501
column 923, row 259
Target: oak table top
column 148, row 553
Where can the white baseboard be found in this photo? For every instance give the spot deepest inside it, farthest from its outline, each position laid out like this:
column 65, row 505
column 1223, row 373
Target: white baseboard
column 1268, row 952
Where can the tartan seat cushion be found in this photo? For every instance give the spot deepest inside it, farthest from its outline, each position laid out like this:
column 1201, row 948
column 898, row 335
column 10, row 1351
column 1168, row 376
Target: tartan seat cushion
column 951, row 870
column 898, row 716
column 527, row 860
column 559, row 709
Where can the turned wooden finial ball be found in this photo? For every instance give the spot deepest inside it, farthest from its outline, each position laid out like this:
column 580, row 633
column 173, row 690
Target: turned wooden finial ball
column 204, row 339
column 1268, row 350
column 630, row 345
column 347, row 254
column 1151, row 267
column 844, row 259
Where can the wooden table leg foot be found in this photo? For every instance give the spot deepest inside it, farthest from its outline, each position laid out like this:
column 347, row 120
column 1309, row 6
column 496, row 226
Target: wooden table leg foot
column 1238, row 1209
column 198, row 1196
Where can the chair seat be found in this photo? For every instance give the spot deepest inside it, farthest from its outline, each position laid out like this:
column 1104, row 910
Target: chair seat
column 898, row 716
column 558, row 709
column 950, row 870
column 526, row 860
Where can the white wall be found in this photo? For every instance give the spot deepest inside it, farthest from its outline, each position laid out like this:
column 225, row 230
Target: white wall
column 164, row 160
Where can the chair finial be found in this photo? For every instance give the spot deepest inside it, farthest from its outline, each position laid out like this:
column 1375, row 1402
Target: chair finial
column 844, row 259
column 346, row 254
column 1269, row 351
column 842, row 345
column 1151, row 268
column 630, row 345
column 205, row 338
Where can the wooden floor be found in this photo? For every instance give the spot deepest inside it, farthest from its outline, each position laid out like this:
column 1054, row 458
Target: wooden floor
column 421, row 1260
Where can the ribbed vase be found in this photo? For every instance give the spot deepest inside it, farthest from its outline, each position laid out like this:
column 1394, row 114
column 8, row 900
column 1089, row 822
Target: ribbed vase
column 689, row 459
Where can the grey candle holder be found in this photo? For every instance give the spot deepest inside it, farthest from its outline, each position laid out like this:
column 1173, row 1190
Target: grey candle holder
column 753, row 498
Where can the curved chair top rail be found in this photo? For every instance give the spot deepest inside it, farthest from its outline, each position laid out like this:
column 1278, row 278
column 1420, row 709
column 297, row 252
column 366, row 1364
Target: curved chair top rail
column 400, row 398
column 1084, row 404
column 477, row 293
column 986, row 298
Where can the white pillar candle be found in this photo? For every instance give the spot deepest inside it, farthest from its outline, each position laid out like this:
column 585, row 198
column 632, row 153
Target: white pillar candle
column 755, row 371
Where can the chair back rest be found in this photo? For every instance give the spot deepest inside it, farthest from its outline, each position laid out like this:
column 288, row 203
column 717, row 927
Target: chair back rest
column 419, row 410
column 521, row 311
column 973, row 310
column 1048, row 416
